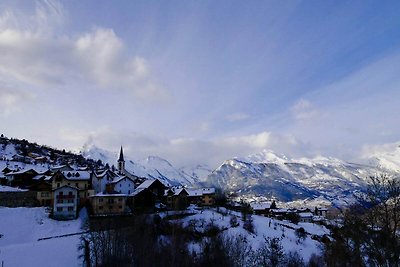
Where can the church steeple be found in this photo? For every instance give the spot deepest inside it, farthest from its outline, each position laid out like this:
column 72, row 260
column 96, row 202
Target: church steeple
column 121, row 162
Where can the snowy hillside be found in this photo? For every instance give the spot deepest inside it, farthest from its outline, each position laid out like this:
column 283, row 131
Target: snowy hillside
column 286, row 179
column 386, row 156
column 198, row 172
column 21, row 229
column 150, row 167
column 264, row 227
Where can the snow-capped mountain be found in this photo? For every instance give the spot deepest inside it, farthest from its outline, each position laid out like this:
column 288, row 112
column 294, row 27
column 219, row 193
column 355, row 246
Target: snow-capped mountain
column 199, row 172
column 386, row 156
column 150, row 167
column 277, row 176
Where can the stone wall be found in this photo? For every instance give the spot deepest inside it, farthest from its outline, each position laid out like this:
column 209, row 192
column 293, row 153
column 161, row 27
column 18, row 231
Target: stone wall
column 18, row 199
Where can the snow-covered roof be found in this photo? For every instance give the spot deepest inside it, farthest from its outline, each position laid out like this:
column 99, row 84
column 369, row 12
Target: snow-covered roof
column 72, row 187
column 76, row 175
column 306, row 215
column 21, row 172
column 101, row 194
column 200, row 192
column 119, row 178
column 4, row 188
column 260, row 206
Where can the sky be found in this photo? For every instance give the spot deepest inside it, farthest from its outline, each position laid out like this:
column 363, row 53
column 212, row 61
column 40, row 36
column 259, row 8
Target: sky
column 199, row 82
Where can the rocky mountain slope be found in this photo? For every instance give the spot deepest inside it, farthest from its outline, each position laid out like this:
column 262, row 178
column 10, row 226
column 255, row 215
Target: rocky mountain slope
column 277, row 176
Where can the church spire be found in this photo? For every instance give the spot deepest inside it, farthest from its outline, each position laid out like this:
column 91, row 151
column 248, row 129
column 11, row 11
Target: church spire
column 121, row 155
column 121, row 162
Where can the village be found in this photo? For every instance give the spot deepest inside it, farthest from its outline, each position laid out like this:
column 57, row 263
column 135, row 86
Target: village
column 115, row 191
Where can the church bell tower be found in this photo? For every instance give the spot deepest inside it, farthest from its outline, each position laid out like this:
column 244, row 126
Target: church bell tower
column 121, row 162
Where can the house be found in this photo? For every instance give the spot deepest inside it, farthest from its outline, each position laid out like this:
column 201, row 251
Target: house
column 21, row 178
column 202, row 196
column 305, row 216
column 122, row 184
column 155, row 186
column 65, row 206
column 177, row 198
column 320, row 211
column 109, row 204
column 43, row 191
column 101, row 179
column 78, row 179
column 260, row 208
column 142, row 199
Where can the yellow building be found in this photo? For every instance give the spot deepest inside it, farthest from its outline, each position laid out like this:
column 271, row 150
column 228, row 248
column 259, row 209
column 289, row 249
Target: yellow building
column 78, row 179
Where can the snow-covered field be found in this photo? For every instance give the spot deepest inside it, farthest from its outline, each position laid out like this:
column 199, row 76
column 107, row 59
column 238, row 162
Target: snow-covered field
column 20, row 229
column 264, row 229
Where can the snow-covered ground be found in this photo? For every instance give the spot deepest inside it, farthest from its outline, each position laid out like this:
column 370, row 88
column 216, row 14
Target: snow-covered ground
column 20, row 229
column 263, row 229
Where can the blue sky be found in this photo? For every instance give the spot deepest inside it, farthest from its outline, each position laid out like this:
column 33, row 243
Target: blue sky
column 202, row 81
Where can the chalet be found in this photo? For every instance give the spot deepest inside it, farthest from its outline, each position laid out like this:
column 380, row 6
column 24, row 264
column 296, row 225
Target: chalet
column 202, row 196
column 43, row 191
column 22, row 178
column 320, row 211
column 109, row 204
column 78, row 179
column 260, row 208
column 177, row 198
column 65, row 204
column 155, row 186
column 142, row 199
column 305, row 216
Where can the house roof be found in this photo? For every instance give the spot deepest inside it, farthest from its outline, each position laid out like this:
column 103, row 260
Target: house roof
column 76, row 175
column 148, row 183
column 72, row 187
column 101, row 194
column 119, row 178
column 306, row 215
column 140, row 190
column 22, row 172
column 260, row 206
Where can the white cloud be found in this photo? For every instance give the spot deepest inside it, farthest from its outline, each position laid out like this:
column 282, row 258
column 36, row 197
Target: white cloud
column 38, row 55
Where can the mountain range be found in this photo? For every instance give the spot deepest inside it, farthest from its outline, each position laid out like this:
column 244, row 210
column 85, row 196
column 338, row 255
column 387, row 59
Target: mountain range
column 266, row 174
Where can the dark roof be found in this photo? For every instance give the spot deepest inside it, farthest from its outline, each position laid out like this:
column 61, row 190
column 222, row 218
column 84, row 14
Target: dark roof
column 121, row 155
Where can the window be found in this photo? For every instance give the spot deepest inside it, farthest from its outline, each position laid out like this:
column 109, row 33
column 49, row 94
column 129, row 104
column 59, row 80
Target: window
column 100, row 200
column 70, row 193
column 60, row 201
column 69, row 184
column 120, row 207
column 58, row 185
column 110, row 200
column 100, row 207
column 77, row 185
column 70, row 208
column 70, row 201
column 120, row 185
column 119, row 199
column 59, row 208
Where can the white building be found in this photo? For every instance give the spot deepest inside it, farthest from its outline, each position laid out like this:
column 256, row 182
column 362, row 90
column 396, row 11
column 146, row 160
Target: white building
column 65, row 206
